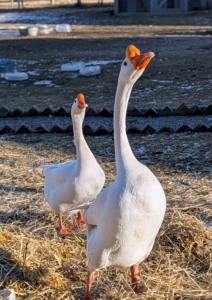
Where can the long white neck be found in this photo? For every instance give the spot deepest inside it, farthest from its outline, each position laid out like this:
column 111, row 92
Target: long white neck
column 82, row 148
column 123, row 153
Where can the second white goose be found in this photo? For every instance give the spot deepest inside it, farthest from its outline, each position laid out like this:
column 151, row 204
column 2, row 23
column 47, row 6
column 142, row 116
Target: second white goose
column 74, row 182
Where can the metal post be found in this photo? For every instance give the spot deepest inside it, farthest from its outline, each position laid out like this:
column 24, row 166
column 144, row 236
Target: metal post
column 20, row 4
column 186, row 6
column 116, row 7
column 152, row 6
column 211, row 13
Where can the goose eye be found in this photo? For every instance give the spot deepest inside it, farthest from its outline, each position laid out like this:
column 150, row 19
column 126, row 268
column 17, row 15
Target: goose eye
column 125, row 63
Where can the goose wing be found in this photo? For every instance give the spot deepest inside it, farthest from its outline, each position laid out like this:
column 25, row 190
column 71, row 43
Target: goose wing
column 57, row 174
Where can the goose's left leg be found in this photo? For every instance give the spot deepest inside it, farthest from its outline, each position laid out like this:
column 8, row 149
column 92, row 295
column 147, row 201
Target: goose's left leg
column 134, row 277
column 64, row 231
column 80, row 221
column 90, row 280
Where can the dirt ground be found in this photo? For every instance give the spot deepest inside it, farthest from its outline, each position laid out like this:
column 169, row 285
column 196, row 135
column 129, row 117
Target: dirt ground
column 181, row 72
column 34, row 260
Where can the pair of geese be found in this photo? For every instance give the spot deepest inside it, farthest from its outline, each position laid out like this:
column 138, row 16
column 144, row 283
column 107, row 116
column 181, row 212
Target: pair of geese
column 124, row 219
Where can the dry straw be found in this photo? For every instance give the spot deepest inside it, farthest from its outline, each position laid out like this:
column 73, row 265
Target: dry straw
column 40, row 265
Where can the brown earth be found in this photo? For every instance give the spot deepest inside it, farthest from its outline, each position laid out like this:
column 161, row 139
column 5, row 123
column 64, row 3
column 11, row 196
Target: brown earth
column 180, row 72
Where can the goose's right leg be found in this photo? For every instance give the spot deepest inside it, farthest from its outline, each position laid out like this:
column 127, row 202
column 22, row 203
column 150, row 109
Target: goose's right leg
column 64, row 231
column 134, row 277
column 80, row 221
column 90, row 280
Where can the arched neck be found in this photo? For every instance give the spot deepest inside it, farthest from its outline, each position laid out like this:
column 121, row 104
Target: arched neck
column 123, row 153
column 82, row 148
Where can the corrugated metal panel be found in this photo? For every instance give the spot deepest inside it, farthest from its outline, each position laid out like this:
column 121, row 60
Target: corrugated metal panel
column 122, row 5
column 204, row 4
column 146, row 4
column 194, row 5
column 132, row 6
column 169, row 5
column 178, row 4
column 135, row 5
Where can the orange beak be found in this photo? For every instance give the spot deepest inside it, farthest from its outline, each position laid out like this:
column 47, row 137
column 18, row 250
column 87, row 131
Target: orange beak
column 81, row 101
column 139, row 60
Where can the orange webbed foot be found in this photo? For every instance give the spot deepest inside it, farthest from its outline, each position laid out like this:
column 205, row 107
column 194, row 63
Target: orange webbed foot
column 63, row 232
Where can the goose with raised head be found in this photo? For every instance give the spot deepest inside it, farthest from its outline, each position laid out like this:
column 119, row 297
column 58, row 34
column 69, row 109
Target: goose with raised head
column 124, row 219
column 77, row 181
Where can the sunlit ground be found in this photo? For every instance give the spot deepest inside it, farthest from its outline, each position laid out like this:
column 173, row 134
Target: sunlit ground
column 40, row 265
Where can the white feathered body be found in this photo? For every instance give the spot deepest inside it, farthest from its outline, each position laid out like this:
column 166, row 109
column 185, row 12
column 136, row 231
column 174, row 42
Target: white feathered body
column 124, row 219
column 73, row 183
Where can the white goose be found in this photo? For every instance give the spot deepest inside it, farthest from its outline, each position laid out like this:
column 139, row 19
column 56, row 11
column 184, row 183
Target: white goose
column 124, row 219
column 77, row 181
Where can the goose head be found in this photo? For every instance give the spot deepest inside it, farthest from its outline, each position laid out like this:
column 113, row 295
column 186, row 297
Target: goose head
column 79, row 105
column 134, row 64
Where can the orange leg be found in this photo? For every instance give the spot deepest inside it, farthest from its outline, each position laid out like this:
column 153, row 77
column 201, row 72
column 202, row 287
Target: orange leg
column 64, row 231
column 80, row 220
column 90, row 280
column 134, row 277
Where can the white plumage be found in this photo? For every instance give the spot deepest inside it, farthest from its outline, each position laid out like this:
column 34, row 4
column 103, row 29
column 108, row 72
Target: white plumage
column 74, row 182
column 124, row 219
